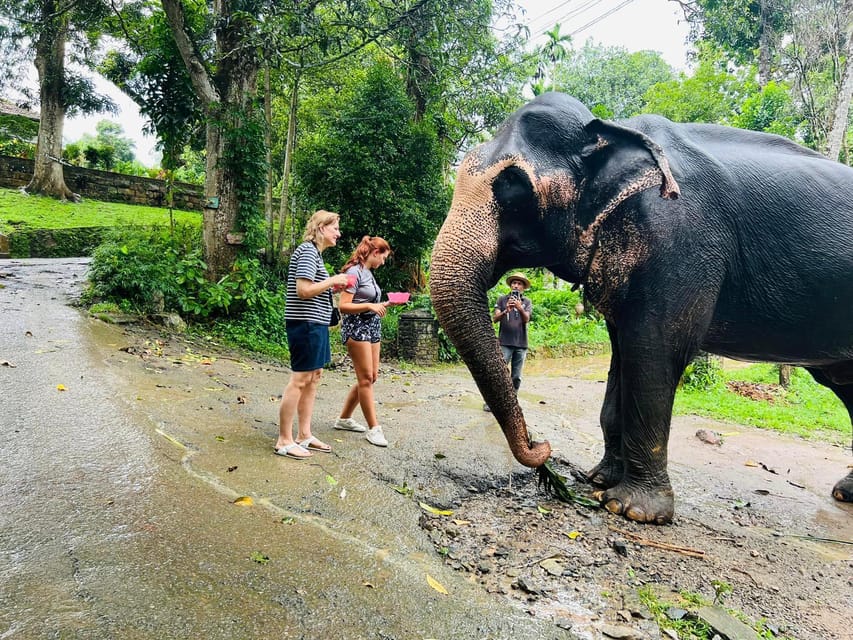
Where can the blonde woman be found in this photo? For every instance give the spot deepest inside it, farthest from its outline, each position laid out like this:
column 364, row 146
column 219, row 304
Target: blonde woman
column 307, row 313
column 361, row 332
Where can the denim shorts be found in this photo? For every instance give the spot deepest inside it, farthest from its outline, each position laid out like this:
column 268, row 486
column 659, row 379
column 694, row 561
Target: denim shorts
column 361, row 327
column 309, row 345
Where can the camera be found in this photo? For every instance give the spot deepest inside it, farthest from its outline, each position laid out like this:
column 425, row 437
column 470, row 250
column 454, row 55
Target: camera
column 516, row 295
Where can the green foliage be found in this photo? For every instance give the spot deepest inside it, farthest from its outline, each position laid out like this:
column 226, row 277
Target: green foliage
column 150, row 70
column 805, row 409
column 735, row 25
column 712, row 94
column 705, row 372
column 143, row 268
column 770, row 110
column 609, row 80
column 102, row 151
column 244, row 159
column 17, row 136
column 381, row 170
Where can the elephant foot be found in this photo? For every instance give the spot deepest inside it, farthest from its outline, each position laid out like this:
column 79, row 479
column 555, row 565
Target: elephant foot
column 607, row 473
column 652, row 506
column 843, row 489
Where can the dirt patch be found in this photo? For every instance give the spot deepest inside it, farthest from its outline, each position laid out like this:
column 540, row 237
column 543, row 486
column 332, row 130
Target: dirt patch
column 756, row 390
column 754, row 516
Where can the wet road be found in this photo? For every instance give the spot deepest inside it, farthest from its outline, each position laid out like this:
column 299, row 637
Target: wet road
column 118, row 475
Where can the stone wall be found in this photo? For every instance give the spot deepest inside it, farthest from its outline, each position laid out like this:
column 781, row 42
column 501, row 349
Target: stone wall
column 103, row 185
column 417, row 337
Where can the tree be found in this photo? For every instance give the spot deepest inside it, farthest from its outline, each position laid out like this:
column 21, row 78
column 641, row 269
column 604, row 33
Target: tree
column 378, row 166
column 103, row 150
column 550, row 55
column 749, row 31
column 712, row 94
column 43, row 28
column 611, row 81
column 841, row 116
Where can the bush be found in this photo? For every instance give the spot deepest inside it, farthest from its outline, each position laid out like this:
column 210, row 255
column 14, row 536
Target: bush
column 704, row 373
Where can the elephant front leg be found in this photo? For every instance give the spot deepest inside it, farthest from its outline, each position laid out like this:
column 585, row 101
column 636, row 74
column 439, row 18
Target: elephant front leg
column 644, row 492
column 608, row 472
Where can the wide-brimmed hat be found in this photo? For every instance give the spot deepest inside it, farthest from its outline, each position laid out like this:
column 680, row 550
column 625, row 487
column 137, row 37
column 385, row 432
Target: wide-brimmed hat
column 518, row 276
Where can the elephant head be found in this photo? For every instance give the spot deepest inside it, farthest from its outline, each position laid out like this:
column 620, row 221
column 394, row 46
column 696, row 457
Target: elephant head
column 533, row 196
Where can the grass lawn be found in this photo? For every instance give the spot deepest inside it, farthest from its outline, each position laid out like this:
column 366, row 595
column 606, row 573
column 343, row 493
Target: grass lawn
column 38, row 212
column 806, row 409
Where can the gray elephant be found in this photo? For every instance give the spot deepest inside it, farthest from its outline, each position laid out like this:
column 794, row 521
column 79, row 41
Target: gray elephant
column 744, row 249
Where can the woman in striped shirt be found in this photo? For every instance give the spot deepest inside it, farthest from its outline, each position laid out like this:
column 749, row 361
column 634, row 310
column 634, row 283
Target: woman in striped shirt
column 307, row 313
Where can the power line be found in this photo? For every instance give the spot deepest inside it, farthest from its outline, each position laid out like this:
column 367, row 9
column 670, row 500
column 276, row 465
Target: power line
column 601, row 17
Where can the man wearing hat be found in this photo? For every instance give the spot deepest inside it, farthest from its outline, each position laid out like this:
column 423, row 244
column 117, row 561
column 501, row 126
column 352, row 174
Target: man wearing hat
column 513, row 312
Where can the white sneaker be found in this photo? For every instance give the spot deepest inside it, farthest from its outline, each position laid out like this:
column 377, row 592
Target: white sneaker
column 375, row 436
column 348, row 424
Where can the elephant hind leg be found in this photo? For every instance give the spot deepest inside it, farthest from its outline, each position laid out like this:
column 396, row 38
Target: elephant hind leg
column 839, row 378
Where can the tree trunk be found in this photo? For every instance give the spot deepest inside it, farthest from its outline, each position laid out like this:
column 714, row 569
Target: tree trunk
column 785, row 375
column 268, row 214
column 48, row 178
column 284, row 213
column 229, row 93
column 837, row 134
column 764, row 45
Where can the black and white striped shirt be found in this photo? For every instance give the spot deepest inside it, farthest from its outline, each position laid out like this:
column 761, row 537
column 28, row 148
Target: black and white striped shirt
column 306, row 263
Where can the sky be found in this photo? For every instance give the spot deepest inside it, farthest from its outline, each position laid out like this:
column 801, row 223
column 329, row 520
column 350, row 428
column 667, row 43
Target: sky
column 636, row 25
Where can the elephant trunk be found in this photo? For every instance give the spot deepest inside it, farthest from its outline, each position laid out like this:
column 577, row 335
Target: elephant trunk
column 461, row 271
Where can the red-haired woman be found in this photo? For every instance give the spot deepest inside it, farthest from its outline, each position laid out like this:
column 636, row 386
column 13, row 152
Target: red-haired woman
column 361, row 332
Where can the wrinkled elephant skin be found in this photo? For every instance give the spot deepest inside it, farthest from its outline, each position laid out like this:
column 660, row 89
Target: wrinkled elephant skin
column 686, row 237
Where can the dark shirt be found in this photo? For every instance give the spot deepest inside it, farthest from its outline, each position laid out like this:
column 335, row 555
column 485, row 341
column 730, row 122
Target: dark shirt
column 512, row 331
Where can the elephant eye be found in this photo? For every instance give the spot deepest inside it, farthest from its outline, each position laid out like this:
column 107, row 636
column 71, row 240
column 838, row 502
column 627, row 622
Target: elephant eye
column 513, row 191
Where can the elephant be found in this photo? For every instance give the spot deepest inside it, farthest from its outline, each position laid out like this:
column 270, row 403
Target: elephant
column 685, row 237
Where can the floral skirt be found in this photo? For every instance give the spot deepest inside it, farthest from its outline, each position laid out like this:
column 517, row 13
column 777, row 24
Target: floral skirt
column 361, row 327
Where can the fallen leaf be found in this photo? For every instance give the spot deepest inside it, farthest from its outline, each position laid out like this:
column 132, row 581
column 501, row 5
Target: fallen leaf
column 434, row 511
column 6, row 363
column 220, row 438
column 369, row 585
column 461, row 523
column 435, row 584
column 60, row 387
column 343, row 493
column 439, row 456
column 230, row 469
column 244, row 501
column 573, row 535
column 405, row 490
column 543, row 510
column 260, row 558
column 331, row 480
column 457, row 437
column 288, row 520
column 750, row 463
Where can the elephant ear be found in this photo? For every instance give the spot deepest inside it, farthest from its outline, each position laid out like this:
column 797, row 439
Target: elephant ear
column 619, row 162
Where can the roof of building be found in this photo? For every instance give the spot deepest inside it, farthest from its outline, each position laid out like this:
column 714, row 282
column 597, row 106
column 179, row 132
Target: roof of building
column 11, row 109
